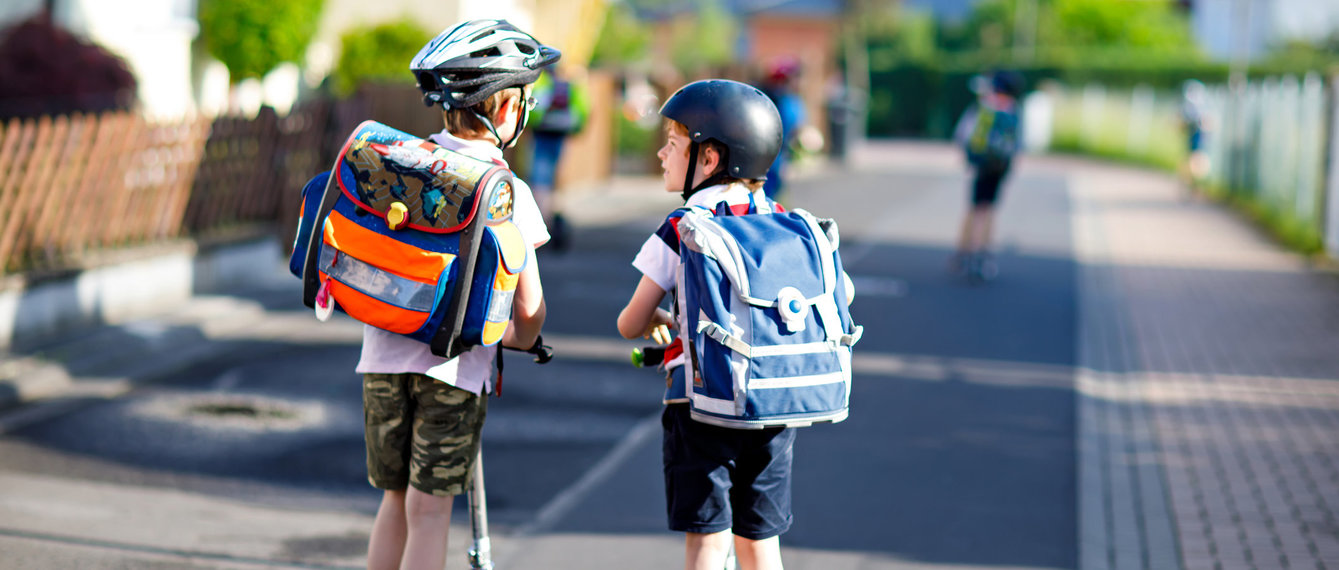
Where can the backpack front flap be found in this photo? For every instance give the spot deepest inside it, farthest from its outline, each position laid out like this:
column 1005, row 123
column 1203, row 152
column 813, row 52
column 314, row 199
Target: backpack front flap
column 414, row 183
column 403, row 223
column 765, row 309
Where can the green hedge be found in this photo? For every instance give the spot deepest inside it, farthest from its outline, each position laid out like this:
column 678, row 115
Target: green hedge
column 925, row 98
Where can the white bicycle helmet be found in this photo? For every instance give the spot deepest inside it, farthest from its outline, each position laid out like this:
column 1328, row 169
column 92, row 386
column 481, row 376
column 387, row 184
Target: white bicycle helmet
column 464, row 65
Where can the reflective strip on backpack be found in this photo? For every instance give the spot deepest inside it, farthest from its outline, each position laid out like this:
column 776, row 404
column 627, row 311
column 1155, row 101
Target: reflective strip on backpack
column 714, row 405
column 499, row 310
column 377, row 283
column 798, row 381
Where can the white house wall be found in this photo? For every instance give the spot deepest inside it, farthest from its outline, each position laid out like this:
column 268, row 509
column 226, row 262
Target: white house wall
column 154, row 37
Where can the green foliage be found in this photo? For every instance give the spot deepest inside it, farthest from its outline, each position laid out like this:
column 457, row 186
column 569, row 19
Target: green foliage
column 1320, row 55
column 634, row 139
column 894, row 36
column 252, row 37
column 1069, row 29
column 708, row 41
column 1299, row 235
column 379, row 53
column 623, row 40
column 990, row 27
column 1148, row 25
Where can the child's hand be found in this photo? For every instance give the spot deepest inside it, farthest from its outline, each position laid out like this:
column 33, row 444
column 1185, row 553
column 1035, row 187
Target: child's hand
column 660, row 334
column 659, row 329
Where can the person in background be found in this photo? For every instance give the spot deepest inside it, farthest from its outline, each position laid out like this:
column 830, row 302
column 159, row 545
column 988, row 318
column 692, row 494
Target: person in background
column 989, row 134
column 1196, row 165
column 780, row 85
column 560, row 112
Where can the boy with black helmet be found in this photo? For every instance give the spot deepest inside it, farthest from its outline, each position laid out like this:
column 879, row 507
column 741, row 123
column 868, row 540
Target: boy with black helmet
column 723, row 486
column 423, row 413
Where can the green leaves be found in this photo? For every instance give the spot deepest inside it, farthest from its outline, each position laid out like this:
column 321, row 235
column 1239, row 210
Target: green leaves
column 379, row 53
column 252, row 37
column 623, row 39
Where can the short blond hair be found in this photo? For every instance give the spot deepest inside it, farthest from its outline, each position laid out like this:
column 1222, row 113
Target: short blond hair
column 721, row 151
column 463, row 123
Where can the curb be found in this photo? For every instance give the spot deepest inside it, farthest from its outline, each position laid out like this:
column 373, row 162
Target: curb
column 52, row 327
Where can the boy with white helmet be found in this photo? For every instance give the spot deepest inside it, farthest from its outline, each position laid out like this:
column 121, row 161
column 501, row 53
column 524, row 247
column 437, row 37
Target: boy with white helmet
column 424, row 413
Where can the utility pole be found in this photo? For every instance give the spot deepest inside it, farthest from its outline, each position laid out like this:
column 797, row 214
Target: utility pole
column 857, row 59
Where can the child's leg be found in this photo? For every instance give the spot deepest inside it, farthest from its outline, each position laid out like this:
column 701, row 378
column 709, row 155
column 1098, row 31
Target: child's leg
column 983, row 225
column 706, row 551
column 428, row 518
column 762, row 554
column 386, row 546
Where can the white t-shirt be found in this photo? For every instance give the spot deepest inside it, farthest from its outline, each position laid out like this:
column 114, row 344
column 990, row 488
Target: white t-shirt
column 386, row 352
column 659, row 256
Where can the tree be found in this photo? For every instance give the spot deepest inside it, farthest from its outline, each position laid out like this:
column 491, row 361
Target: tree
column 47, row 70
column 1066, row 27
column 252, row 37
column 623, row 39
column 1152, row 25
column 708, row 40
column 378, row 53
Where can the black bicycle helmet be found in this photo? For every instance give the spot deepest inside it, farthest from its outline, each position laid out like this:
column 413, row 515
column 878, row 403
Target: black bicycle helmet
column 737, row 115
column 1007, row 82
column 464, row 65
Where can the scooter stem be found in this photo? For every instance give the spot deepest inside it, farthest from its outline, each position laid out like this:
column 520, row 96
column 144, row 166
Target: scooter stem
column 481, row 556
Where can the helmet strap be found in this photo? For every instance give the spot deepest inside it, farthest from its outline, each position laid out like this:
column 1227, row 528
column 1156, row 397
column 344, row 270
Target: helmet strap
column 524, row 112
column 719, row 177
column 688, row 189
column 491, row 129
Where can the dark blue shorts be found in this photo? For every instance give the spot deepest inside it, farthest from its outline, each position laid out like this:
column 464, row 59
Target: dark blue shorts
column 719, row 478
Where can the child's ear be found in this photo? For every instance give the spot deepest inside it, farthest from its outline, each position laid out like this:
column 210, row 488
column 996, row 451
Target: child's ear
column 709, row 160
column 503, row 110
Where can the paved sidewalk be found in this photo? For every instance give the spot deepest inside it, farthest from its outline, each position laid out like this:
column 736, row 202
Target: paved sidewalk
column 1209, row 384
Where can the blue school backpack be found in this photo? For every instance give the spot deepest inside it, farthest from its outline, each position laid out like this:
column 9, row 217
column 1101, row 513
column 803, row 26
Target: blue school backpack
column 412, row 238
column 762, row 300
column 994, row 138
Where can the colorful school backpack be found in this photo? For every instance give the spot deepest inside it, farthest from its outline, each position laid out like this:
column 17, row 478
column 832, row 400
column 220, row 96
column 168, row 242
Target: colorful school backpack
column 764, row 322
column 410, row 237
column 994, row 138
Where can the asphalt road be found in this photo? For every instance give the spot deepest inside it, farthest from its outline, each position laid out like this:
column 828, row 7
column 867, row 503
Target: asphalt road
column 959, row 450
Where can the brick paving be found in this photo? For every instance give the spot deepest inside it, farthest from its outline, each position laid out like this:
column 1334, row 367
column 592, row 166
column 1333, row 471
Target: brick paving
column 1209, row 390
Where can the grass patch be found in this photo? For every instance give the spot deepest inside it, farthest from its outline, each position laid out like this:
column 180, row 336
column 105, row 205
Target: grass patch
column 1287, row 229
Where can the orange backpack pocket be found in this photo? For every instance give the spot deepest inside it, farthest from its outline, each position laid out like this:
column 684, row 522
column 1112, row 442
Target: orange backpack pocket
column 380, row 281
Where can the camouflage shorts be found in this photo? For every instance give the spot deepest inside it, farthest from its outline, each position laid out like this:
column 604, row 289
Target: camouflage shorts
column 420, row 432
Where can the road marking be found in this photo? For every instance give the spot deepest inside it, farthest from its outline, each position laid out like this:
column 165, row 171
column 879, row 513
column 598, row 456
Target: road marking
column 569, row 498
column 878, row 286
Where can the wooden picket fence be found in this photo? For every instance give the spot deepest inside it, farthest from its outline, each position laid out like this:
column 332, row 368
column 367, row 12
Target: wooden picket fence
column 74, row 186
column 71, row 186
